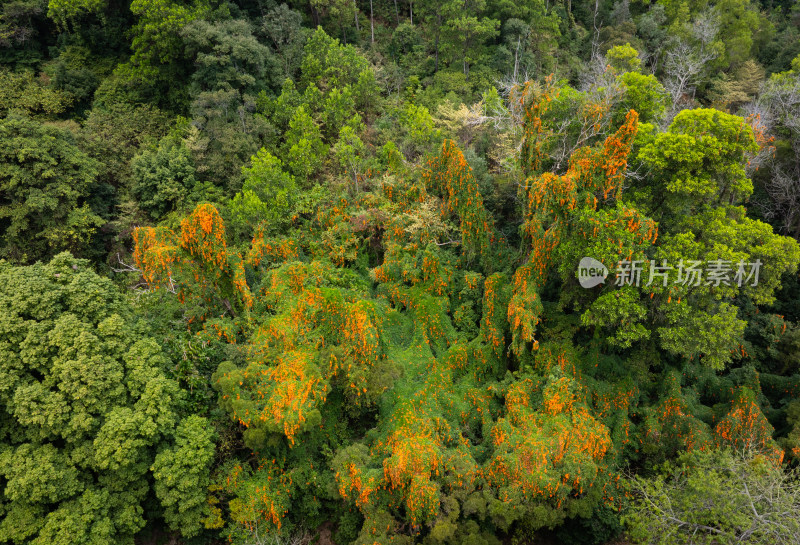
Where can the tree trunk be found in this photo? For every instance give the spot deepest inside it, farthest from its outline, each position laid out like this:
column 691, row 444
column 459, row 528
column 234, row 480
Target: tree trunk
column 464, row 60
column 436, row 62
column 371, row 24
column 228, row 306
column 358, row 28
column 396, row 13
column 438, row 34
column 411, row 11
column 314, row 14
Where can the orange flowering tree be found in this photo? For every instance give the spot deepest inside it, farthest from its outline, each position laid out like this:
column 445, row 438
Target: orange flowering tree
column 262, row 497
column 745, row 427
column 559, row 213
column 314, row 338
column 195, row 263
column 671, row 425
column 423, row 457
column 549, row 451
column 399, row 368
column 450, row 176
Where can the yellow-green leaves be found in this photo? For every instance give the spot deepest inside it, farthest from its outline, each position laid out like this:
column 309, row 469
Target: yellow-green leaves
column 65, row 11
column 84, row 408
column 266, row 198
column 623, row 58
column 620, row 310
column 181, row 475
column 701, row 159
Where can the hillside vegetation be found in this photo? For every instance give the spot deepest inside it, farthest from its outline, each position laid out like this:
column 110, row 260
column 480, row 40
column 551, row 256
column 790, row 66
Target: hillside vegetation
column 440, row 272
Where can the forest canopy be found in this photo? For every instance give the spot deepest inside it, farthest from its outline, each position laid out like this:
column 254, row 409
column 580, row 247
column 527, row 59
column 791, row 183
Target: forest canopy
column 365, row 272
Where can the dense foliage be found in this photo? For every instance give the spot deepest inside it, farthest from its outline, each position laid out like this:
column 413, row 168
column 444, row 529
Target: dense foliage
column 285, row 272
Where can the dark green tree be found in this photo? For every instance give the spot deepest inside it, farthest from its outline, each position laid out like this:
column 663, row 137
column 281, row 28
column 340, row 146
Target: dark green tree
column 163, row 177
column 45, row 180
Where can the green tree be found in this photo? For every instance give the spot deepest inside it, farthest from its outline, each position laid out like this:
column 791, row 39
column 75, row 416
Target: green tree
column 158, row 58
column 328, row 64
column 349, row 151
column 304, row 150
column 225, row 132
column 700, row 162
column 86, row 409
column 467, row 31
column 339, row 107
column 739, row 22
column 284, row 31
column 343, row 12
column 20, row 25
column 267, row 196
column 63, row 12
column 21, row 92
column 228, row 55
column 623, row 58
column 45, row 179
column 715, row 497
column 728, row 26
column 698, row 180
column 231, row 68
column 181, row 475
column 156, row 36
column 115, row 133
column 643, row 93
column 163, row 177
